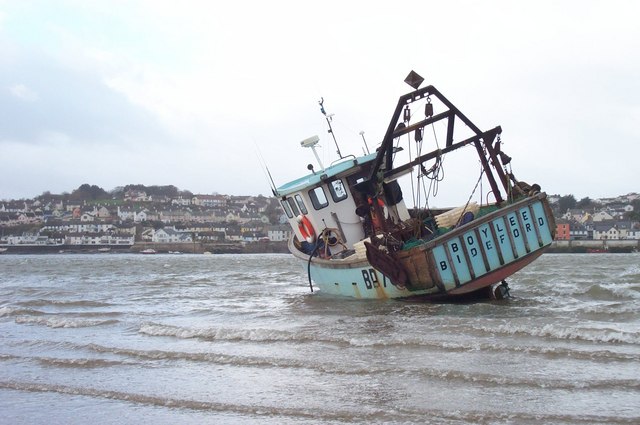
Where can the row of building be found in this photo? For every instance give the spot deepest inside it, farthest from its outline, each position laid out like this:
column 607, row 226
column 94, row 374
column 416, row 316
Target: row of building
column 123, row 235
column 605, row 230
column 607, row 222
column 223, row 218
column 200, row 208
column 201, row 218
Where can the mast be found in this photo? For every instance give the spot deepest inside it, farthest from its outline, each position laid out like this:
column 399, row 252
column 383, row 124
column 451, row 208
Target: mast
column 329, row 119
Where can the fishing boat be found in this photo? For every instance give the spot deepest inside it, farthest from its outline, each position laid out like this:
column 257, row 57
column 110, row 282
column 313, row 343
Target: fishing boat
column 356, row 235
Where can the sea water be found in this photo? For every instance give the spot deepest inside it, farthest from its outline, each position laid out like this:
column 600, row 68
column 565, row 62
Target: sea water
column 240, row 339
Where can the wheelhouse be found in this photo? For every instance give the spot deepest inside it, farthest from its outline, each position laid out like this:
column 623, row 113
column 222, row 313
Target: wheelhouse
column 329, row 199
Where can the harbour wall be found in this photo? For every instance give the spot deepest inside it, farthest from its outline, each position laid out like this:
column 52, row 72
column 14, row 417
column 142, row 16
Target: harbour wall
column 608, row 245
column 574, row 246
column 186, row 248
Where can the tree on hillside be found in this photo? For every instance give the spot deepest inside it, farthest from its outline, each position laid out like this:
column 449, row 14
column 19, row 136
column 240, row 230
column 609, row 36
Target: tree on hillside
column 566, row 203
column 89, row 192
column 169, row 191
column 47, row 196
column 585, row 204
column 117, row 192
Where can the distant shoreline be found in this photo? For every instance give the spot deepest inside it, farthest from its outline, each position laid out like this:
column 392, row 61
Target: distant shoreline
column 269, row 247
column 612, row 246
column 266, row 247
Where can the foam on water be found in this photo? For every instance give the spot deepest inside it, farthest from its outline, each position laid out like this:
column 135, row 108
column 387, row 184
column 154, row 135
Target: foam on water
column 239, row 339
column 63, row 322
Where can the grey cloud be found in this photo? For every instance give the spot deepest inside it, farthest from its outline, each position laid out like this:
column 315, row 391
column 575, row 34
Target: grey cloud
column 39, row 96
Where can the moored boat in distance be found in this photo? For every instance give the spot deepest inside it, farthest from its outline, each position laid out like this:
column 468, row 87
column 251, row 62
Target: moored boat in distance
column 355, row 235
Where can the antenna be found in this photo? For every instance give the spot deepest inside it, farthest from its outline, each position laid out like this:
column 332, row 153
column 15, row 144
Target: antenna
column 311, row 142
column 365, row 142
column 265, row 168
column 329, row 118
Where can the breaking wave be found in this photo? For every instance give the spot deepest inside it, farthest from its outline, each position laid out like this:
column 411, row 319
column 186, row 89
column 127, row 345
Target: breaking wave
column 63, row 322
column 366, row 414
column 64, row 303
column 566, row 333
column 80, row 363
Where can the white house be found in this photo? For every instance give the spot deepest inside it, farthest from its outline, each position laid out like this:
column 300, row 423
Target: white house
column 614, row 230
column 28, row 218
column 212, row 201
column 606, row 231
column 102, row 212
column 127, row 229
column 135, row 215
column 279, row 233
column 183, row 202
column 174, row 216
column 74, row 238
column 125, row 213
column 602, row 216
column 136, row 195
column 29, row 239
column 633, row 234
column 624, row 229
column 140, row 216
column 117, row 240
column 170, row 235
column 87, row 216
column 575, row 215
column 80, row 227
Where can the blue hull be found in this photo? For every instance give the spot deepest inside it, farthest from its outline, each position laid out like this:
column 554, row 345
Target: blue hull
column 469, row 258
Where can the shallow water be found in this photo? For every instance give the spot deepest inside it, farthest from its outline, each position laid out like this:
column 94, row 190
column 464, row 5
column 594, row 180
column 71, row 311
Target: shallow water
column 239, row 339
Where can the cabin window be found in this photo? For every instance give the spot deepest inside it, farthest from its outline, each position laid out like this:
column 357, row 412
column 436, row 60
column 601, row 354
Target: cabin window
column 293, row 206
column 301, row 204
column 318, row 198
column 286, row 208
column 338, row 193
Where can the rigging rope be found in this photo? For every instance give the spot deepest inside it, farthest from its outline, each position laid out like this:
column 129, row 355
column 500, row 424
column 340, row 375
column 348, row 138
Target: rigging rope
column 471, row 196
column 435, row 174
column 437, row 170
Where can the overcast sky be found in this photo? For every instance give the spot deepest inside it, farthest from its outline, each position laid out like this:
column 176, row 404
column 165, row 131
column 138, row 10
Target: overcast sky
column 198, row 94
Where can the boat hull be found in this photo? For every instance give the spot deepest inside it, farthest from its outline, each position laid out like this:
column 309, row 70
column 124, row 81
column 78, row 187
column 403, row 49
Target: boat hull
column 468, row 259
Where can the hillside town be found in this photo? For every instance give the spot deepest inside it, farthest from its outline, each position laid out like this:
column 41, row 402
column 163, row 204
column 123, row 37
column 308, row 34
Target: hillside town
column 607, row 219
column 141, row 216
